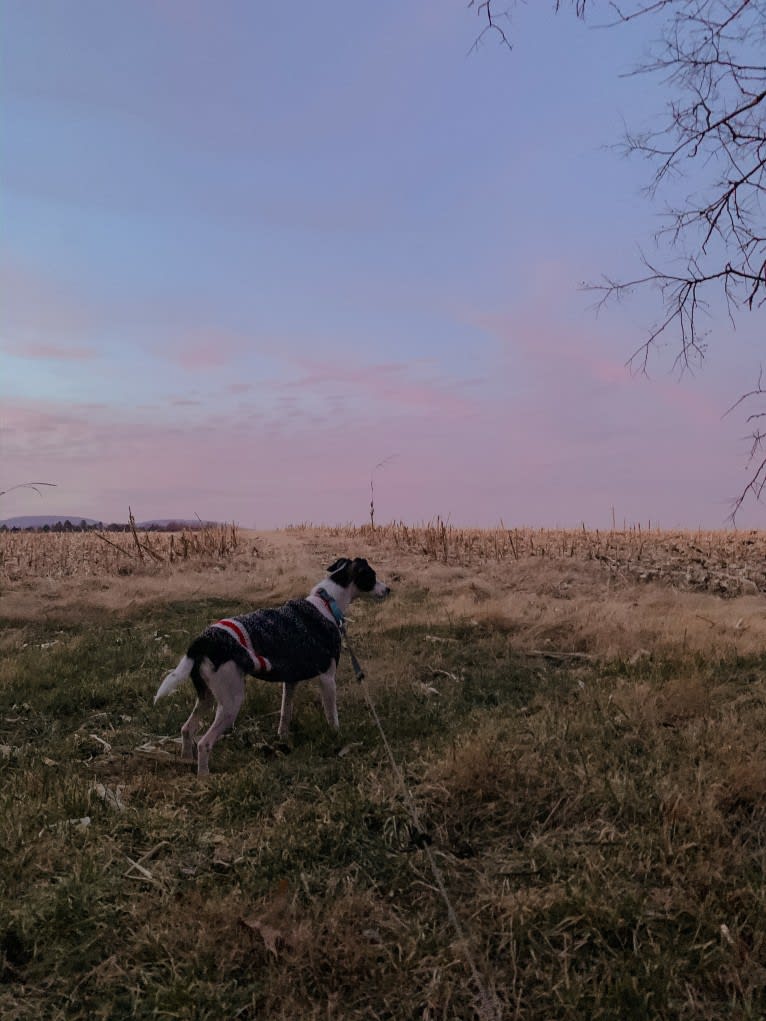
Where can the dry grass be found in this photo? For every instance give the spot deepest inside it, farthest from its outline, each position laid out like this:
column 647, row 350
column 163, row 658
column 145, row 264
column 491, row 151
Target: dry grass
column 586, row 752
column 724, row 562
column 571, row 604
column 25, row 555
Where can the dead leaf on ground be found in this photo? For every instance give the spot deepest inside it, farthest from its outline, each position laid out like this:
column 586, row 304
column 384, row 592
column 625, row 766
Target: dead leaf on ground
column 348, row 748
column 273, row 939
column 428, row 690
column 78, row 824
column 155, row 748
column 445, row 673
column 110, row 797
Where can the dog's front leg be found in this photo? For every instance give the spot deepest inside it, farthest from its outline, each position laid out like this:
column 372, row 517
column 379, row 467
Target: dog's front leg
column 327, row 685
column 288, row 694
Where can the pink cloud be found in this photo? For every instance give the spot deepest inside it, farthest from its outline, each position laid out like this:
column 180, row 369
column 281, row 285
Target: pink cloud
column 260, row 473
column 386, row 383
column 38, row 304
column 202, row 349
column 548, row 344
column 51, row 352
column 527, row 456
column 569, row 360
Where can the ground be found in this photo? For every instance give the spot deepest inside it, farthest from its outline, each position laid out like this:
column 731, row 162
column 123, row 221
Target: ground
column 582, row 737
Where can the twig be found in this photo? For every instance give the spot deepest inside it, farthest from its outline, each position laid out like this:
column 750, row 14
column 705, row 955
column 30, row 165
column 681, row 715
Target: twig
column 27, row 485
column 145, row 873
column 707, row 620
column 559, row 655
column 116, row 546
column 142, row 545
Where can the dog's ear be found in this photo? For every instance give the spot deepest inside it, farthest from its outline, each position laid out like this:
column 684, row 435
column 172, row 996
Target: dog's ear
column 339, row 564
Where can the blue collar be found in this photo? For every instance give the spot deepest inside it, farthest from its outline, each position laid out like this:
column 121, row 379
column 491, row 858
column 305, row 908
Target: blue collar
column 331, row 605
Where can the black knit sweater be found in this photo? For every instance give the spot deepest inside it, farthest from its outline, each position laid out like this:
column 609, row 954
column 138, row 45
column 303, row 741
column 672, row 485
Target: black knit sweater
column 298, row 640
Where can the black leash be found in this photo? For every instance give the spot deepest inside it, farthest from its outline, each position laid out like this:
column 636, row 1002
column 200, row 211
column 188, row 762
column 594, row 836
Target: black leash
column 358, row 672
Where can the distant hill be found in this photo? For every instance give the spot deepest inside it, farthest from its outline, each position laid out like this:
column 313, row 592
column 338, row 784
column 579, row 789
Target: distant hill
column 181, row 522
column 41, row 520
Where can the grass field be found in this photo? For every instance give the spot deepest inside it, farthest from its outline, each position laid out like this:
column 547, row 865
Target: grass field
column 582, row 729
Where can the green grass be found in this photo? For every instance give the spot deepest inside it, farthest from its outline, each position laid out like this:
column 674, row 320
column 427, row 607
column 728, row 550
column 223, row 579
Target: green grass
column 601, row 830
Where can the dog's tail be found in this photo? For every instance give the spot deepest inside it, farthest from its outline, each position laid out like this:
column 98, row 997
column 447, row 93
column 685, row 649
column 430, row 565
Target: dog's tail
column 175, row 677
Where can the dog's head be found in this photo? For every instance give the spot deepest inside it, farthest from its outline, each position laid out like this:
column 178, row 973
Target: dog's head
column 357, row 573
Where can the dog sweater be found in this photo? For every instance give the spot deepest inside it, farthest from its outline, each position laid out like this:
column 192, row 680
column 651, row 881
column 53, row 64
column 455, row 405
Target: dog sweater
column 296, row 640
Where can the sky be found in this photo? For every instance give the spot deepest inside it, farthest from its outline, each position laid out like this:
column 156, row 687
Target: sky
column 256, row 255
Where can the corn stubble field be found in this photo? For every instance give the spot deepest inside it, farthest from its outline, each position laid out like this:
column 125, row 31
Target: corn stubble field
column 580, row 718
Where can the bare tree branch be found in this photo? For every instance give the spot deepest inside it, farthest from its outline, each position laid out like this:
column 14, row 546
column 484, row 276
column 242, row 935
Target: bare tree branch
column 487, row 13
column 27, row 485
column 711, row 56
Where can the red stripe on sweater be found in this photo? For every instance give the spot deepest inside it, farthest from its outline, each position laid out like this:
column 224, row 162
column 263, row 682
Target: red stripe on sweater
column 243, row 638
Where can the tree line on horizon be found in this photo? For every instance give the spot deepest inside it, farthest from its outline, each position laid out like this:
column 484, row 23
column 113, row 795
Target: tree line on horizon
column 67, row 525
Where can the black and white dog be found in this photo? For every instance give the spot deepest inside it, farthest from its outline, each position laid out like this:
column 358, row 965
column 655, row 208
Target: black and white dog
column 289, row 644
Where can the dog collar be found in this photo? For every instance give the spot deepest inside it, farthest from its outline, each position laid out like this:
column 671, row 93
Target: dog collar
column 331, row 605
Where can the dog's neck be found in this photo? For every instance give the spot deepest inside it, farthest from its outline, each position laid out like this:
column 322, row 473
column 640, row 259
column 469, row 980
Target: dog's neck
column 341, row 596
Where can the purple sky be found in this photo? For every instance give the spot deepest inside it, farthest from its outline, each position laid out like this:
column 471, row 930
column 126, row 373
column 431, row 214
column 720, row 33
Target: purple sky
column 252, row 250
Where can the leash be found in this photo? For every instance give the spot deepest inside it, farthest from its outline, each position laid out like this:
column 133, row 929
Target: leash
column 358, row 672
column 340, row 620
column 489, row 1007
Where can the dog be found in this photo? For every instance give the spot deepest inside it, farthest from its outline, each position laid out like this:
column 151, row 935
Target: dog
column 289, row 644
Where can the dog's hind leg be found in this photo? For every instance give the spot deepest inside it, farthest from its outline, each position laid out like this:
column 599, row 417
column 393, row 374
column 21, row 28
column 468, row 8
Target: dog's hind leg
column 193, row 724
column 227, row 684
column 327, row 687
